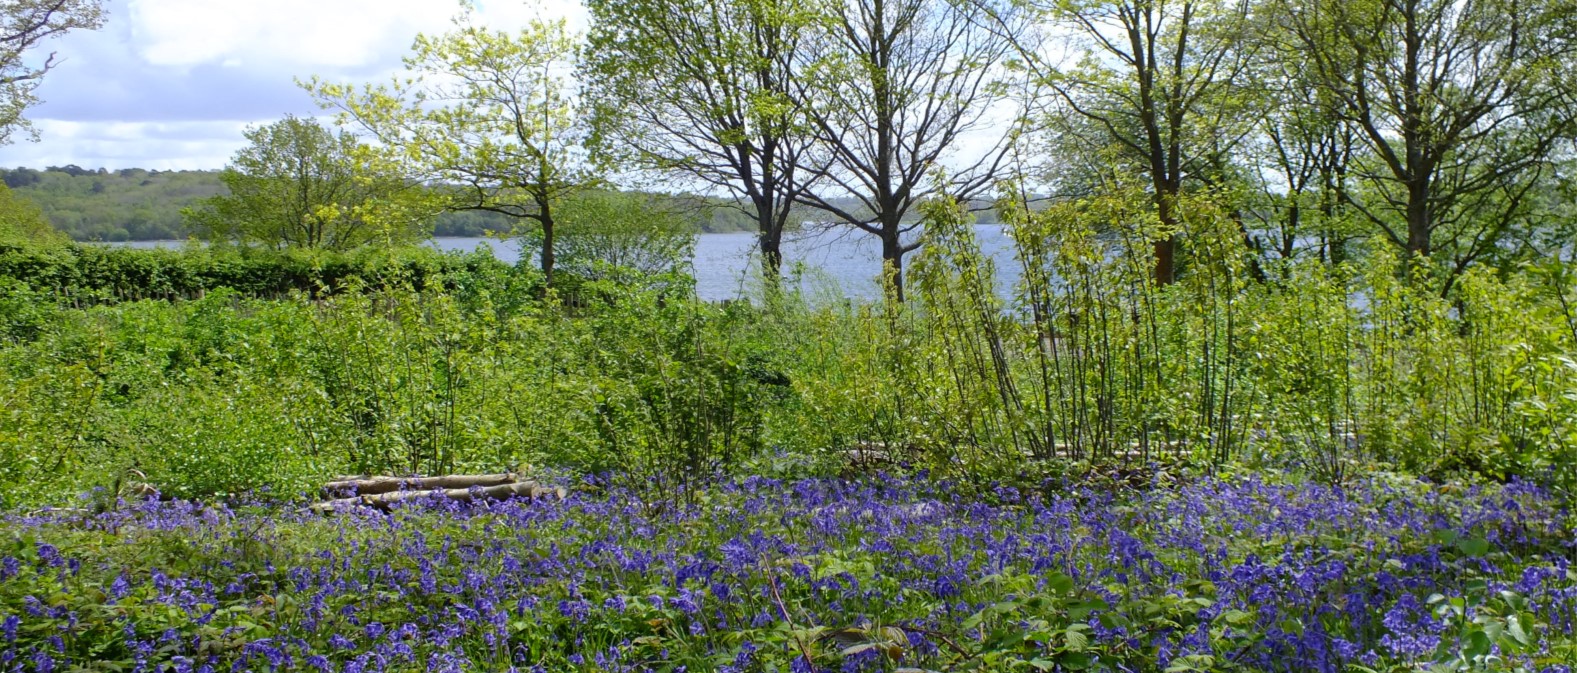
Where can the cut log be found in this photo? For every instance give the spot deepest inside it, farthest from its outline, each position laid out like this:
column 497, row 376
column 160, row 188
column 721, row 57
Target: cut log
column 60, row 511
column 143, row 491
column 377, row 485
column 383, row 501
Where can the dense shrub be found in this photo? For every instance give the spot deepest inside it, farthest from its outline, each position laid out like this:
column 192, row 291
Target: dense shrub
column 227, row 394
column 89, row 274
column 440, row 363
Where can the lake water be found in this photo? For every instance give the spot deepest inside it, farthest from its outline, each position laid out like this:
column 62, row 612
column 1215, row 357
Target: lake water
column 830, row 263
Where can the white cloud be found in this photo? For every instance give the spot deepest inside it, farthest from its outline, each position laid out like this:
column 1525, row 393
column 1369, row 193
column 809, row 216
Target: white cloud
column 114, row 145
column 171, row 83
column 516, row 13
column 322, row 33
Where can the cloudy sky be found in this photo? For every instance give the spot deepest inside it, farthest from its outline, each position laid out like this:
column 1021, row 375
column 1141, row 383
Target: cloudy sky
column 171, row 84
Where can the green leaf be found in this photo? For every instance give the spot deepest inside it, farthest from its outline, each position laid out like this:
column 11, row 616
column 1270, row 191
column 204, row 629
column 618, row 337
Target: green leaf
column 1478, row 645
column 1076, row 661
column 856, row 649
column 1518, row 633
column 1473, row 546
column 1060, row 583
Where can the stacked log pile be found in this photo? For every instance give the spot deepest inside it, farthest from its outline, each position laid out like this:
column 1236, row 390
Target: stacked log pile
column 383, row 493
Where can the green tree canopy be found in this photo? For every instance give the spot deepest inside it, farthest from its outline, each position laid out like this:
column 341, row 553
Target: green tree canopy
column 302, row 185
column 1460, row 107
column 646, row 233
column 22, row 223
column 702, row 92
column 1151, row 87
column 491, row 113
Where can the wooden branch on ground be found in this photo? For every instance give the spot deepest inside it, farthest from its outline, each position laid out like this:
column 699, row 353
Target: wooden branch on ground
column 383, row 501
column 378, row 485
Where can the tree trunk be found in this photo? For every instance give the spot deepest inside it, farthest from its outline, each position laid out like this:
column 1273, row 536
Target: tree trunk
column 770, row 239
column 1166, row 260
column 1166, row 247
column 1417, row 220
column 1334, row 250
column 892, row 263
column 1334, row 247
column 528, row 491
column 547, row 246
column 1289, row 237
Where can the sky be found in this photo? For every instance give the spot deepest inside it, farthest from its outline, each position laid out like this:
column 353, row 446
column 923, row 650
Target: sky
column 172, row 84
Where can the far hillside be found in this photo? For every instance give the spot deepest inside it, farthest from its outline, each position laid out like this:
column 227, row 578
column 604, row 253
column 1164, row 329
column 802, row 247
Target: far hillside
column 135, row 204
column 131, row 204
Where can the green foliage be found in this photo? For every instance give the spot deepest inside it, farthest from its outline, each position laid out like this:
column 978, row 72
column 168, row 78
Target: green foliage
column 1457, row 113
column 1093, row 365
column 22, row 223
column 139, row 205
column 227, row 394
column 413, row 361
column 300, row 185
column 706, row 94
column 490, row 111
column 88, row 274
column 621, row 230
column 129, row 204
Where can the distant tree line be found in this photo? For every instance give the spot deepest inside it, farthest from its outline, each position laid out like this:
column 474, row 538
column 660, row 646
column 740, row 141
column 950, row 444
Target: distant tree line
column 135, row 204
column 94, row 274
column 130, row 204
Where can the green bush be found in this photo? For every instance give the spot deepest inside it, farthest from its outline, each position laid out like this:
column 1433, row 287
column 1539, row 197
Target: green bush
column 419, row 362
column 90, row 274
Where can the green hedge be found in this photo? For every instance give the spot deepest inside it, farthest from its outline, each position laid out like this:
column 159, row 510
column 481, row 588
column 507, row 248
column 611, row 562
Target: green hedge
column 93, row 274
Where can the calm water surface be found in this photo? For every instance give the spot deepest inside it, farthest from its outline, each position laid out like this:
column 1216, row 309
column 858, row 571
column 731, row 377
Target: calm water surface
column 830, row 264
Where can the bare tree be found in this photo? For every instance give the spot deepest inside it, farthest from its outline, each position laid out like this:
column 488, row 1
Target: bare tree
column 1300, row 155
column 23, row 25
column 895, row 87
column 1155, row 78
column 703, row 91
column 1458, row 103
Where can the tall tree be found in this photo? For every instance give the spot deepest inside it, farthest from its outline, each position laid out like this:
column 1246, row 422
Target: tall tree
column 895, row 87
column 301, row 185
column 491, row 114
column 1458, row 104
column 24, row 24
column 1158, row 77
column 703, row 91
column 1300, row 153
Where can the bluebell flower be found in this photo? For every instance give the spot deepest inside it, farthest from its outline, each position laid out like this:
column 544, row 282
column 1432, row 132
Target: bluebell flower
column 9, row 568
column 576, row 610
column 43, row 663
